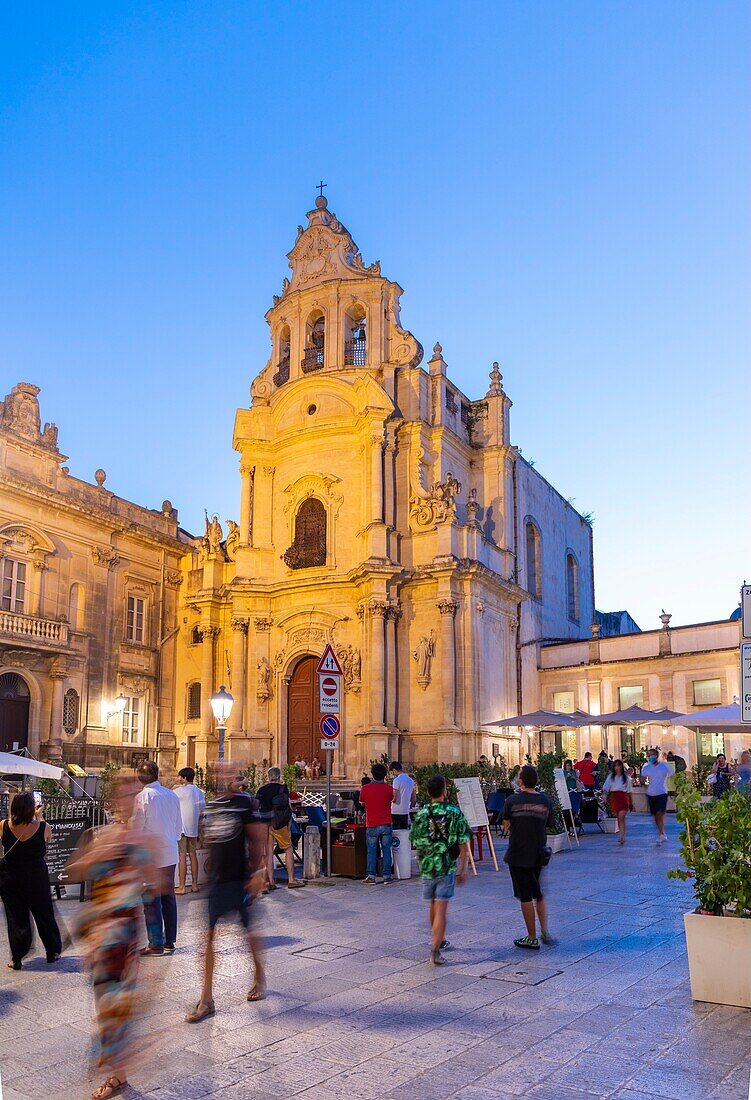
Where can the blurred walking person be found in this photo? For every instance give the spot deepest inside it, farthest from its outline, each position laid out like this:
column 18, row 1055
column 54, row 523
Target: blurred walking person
column 118, row 860
column 618, row 787
column 157, row 813
column 24, row 881
column 192, row 805
column 236, row 839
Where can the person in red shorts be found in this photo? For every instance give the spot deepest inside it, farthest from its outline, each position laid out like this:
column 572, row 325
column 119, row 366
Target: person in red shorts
column 587, row 770
column 618, row 786
column 377, row 797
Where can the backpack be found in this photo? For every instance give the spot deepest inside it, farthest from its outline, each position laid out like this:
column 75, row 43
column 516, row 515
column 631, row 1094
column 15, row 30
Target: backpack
column 281, row 809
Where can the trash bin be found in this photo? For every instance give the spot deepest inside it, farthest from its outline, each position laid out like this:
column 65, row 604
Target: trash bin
column 402, row 853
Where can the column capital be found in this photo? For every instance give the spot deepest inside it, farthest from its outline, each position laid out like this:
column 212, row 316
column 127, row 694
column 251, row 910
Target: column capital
column 208, row 632
column 240, row 623
column 57, row 673
column 375, row 607
column 447, row 607
column 263, row 623
column 394, row 610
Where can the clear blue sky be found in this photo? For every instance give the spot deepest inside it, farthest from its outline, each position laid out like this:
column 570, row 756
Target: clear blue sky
column 562, row 186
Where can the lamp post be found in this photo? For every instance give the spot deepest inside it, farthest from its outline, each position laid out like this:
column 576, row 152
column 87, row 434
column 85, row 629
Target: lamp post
column 221, row 704
column 120, row 704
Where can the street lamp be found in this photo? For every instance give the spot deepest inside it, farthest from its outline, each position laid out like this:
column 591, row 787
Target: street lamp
column 120, row 704
column 221, row 704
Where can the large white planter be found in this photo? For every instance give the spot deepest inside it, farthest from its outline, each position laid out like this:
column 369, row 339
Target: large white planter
column 719, row 959
column 557, row 842
column 609, row 824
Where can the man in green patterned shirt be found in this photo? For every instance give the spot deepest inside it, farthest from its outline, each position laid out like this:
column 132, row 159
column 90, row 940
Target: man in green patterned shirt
column 440, row 834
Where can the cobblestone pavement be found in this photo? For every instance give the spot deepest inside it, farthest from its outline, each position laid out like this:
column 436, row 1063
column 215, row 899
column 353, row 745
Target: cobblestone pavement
column 354, row 1010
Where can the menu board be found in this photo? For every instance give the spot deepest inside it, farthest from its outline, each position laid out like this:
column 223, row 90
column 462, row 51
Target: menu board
column 471, row 801
column 561, row 789
column 65, row 837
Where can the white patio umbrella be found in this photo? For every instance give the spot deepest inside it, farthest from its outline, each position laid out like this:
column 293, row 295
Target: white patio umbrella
column 540, row 720
column 727, row 719
column 14, row 764
column 635, row 717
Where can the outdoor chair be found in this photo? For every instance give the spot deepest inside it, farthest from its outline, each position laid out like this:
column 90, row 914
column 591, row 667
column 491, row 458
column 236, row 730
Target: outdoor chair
column 496, row 802
column 576, row 805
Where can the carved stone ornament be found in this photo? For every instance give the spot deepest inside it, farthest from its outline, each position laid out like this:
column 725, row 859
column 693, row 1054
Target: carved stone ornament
column 19, row 414
column 211, row 541
column 324, row 250
column 351, row 662
column 424, row 656
column 134, row 685
column 263, row 688
column 233, row 539
column 263, row 624
column 21, row 658
column 308, row 634
column 173, row 577
column 447, row 607
column 240, row 623
column 208, row 632
column 496, row 382
column 473, row 507
column 105, row 556
column 17, row 540
column 429, row 507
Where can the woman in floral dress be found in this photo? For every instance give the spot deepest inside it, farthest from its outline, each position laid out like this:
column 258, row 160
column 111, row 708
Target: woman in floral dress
column 119, row 864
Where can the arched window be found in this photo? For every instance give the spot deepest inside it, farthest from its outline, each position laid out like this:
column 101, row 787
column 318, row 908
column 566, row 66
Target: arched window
column 572, row 587
column 315, row 342
column 76, row 607
column 309, row 546
column 194, row 700
column 70, row 711
column 533, row 545
column 355, row 337
column 282, row 362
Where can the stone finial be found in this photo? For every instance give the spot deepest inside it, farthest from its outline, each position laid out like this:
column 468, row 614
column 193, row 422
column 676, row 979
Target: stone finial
column 437, row 364
column 437, row 349
column 665, row 618
column 496, row 382
column 322, row 202
column 100, row 476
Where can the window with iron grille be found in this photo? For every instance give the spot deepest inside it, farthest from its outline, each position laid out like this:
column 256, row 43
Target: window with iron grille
column 194, row 700
column 70, row 711
column 14, row 586
column 135, row 620
column 309, row 547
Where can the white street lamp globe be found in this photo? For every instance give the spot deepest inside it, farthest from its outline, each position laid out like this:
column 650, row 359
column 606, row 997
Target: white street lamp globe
column 221, row 704
column 121, row 703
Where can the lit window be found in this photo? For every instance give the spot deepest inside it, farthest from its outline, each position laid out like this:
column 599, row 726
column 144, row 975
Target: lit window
column 132, row 721
column 14, row 586
column 707, row 693
column 134, row 620
column 572, row 587
column 70, row 711
column 630, row 697
column 194, row 700
column 534, row 559
column 563, row 702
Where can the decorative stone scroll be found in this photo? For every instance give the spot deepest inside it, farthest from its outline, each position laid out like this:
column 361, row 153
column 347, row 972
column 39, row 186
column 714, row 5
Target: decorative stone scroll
column 105, row 556
column 351, row 662
column 429, row 507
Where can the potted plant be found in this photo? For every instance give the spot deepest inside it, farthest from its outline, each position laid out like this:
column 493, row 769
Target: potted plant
column 715, row 846
column 546, row 763
column 609, row 823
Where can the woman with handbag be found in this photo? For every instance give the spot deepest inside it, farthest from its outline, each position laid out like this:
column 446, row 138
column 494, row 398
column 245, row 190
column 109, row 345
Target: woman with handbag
column 617, row 788
column 25, row 883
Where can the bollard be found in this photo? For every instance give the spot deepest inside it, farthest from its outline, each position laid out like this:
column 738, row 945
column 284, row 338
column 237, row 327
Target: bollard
column 311, row 853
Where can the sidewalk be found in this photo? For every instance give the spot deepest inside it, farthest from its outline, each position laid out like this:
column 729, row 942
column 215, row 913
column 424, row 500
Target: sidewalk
column 355, row 1011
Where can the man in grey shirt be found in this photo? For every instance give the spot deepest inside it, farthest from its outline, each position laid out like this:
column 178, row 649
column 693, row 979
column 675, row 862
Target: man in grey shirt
column 657, row 773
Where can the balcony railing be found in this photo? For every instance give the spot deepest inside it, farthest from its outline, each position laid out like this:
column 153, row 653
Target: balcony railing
column 312, row 360
column 355, row 352
column 49, row 631
column 282, row 373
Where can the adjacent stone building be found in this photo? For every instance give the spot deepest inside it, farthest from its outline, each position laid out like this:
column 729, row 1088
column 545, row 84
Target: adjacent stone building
column 385, row 512
column 87, row 606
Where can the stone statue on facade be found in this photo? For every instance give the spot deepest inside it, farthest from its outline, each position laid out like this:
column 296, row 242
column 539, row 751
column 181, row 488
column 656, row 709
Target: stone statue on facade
column 233, row 539
column 263, row 687
column 211, row 541
column 424, row 656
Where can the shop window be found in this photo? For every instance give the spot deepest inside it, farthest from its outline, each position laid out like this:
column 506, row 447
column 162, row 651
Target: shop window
column 707, row 693
column 630, row 697
column 194, row 700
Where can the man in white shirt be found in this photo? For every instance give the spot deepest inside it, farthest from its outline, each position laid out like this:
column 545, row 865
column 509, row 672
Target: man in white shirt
column 192, row 805
column 157, row 812
column 657, row 773
column 404, row 796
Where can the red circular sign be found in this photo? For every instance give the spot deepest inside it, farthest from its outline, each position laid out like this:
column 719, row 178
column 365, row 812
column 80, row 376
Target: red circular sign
column 329, row 685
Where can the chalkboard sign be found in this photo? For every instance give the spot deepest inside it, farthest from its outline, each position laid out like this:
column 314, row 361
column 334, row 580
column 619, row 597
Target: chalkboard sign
column 65, row 838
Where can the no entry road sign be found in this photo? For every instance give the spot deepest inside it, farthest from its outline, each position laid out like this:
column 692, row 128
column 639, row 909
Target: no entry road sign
column 329, row 694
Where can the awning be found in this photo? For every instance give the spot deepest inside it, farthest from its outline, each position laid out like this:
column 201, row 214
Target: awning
column 538, row 719
column 14, row 764
column 635, row 716
column 725, row 719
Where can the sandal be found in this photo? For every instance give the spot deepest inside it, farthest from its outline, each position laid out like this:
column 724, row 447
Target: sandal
column 12, row 965
column 109, row 1088
column 201, row 1011
column 180, row 890
column 258, row 992
column 527, row 941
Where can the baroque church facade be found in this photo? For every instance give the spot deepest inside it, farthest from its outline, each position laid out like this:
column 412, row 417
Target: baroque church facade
column 380, row 509
column 386, row 513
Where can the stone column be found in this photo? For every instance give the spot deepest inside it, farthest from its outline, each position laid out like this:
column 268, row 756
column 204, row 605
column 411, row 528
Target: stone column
column 248, row 474
column 239, row 624
column 447, row 609
column 55, row 746
column 377, row 610
column 393, row 614
column 35, row 588
column 208, row 634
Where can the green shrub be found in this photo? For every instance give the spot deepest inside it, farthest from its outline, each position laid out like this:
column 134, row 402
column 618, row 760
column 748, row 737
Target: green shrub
column 700, row 771
column 492, row 778
column 290, row 775
column 715, row 846
column 107, row 775
column 545, row 764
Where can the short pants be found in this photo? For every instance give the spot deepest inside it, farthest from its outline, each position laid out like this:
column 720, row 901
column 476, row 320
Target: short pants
column 188, row 844
column 657, row 803
column 526, row 882
column 283, row 837
column 228, row 897
column 439, row 889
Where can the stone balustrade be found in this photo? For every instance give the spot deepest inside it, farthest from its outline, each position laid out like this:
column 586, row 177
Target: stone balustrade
column 50, row 631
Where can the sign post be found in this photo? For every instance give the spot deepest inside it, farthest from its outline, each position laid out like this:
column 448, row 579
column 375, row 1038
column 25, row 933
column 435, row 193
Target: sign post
column 746, row 611
column 329, row 703
column 745, row 681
